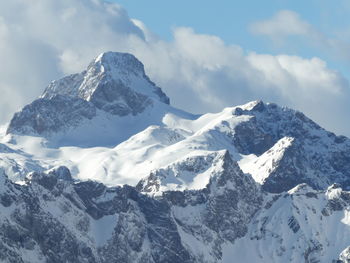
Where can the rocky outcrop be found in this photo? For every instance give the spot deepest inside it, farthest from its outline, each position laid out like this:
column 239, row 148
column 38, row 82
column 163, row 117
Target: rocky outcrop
column 314, row 156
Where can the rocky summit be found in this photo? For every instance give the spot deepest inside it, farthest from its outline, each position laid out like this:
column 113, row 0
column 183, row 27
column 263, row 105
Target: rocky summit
column 101, row 168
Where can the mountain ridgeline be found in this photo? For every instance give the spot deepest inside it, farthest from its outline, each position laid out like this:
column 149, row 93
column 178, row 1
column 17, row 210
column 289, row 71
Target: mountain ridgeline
column 101, row 168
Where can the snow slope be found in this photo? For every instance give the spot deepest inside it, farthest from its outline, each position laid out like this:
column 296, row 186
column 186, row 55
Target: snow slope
column 301, row 225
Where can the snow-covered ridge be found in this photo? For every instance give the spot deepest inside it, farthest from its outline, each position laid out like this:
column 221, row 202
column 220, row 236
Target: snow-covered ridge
column 192, row 172
column 279, row 147
column 260, row 167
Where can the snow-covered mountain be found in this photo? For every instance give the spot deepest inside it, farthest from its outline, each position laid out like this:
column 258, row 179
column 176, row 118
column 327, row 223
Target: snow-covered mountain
column 101, row 168
column 87, row 109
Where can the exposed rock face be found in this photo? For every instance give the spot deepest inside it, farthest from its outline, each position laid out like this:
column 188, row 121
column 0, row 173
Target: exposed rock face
column 314, row 156
column 227, row 192
column 56, row 220
column 285, row 229
column 46, row 116
column 114, row 83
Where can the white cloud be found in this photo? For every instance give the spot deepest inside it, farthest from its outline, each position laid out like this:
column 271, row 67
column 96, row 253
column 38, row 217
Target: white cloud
column 283, row 23
column 48, row 38
column 307, row 85
column 286, row 23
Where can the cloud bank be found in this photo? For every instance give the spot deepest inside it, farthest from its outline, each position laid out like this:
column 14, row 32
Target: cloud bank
column 42, row 40
column 286, row 24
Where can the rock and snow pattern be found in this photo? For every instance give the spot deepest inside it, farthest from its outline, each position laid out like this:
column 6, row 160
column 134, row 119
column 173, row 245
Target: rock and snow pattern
column 101, row 168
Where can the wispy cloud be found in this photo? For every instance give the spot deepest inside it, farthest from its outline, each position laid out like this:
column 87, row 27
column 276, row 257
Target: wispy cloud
column 286, row 24
column 283, row 24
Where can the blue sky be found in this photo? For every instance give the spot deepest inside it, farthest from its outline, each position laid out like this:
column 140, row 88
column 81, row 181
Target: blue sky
column 230, row 20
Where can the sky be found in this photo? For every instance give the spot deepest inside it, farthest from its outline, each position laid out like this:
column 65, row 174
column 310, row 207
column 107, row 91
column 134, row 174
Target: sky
column 231, row 20
column 205, row 55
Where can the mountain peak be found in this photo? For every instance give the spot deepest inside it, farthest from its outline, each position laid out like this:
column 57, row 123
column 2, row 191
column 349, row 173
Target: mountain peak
column 116, row 60
column 112, row 78
column 113, row 85
column 256, row 105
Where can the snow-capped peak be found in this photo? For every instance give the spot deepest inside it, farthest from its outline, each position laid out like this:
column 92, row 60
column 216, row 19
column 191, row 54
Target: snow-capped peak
column 112, row 76
column 252, row 105
column 126, row 62
column 113, row 91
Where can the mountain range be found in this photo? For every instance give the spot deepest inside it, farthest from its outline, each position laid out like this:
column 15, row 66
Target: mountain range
column 101, row 168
